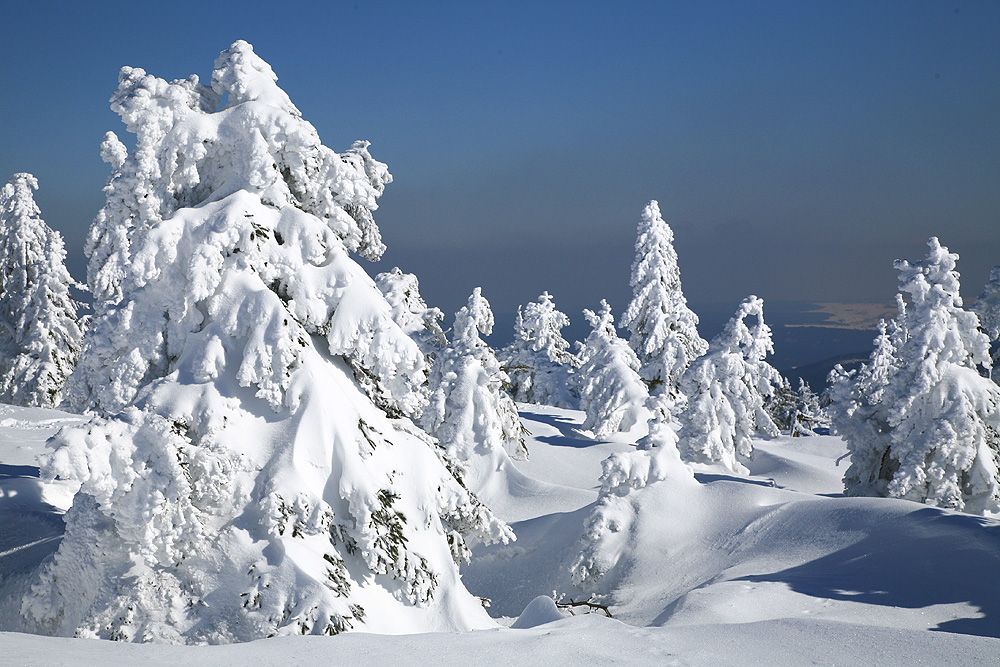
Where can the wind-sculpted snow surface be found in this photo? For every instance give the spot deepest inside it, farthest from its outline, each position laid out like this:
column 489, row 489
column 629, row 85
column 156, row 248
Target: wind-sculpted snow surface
column 243, row 477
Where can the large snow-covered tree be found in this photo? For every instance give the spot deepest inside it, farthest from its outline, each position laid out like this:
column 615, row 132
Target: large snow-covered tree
column 987, row 307
column 726, row 389
column 239, row 479
column 40, row 333
column 611, row 391
column 664, row 331
column 469, row 411
column 538, row 361
column 941, row 440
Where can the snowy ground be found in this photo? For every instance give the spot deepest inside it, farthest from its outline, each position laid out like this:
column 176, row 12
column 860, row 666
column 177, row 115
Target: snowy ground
column 776, row 569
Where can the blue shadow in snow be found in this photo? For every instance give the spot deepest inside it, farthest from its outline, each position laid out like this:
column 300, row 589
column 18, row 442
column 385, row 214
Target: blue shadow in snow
column 569, row 435
column 916, row 560
column 10, row 471
column 709, row 477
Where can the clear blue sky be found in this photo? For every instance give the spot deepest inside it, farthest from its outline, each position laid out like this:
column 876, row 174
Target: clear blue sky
column 796, row 147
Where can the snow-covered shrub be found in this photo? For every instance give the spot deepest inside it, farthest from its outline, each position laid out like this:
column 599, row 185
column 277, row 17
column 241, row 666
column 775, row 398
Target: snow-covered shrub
column 664, row 331
column 238, row 481
column 539, row 362
column 726, row 389
column 40, row 334
column 612, row 520
column 611, row 391
column 930, row 428
column 469, row 411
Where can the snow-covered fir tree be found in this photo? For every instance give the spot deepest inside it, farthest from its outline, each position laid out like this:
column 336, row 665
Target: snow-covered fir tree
column 987, row 307
column 538, row 361
column 810, row 414
column 859, row 414
column 664, row 331
column 40, row 333
column 797, row 412
column 611, row 391
column 469, row 411
column 237, row 481
column 726, row 389
column 941, row 439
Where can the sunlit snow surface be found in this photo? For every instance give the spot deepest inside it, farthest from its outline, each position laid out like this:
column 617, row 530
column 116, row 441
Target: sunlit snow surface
column 777, row 568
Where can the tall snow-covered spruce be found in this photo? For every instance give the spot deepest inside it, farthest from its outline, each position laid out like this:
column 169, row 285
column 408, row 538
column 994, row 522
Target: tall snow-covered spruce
column 239, row 478
column 929, row 430
column 39, row 328
column 664, row 331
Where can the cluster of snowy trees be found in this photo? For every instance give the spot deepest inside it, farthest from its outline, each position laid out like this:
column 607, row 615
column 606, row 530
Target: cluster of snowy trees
column 279, row 443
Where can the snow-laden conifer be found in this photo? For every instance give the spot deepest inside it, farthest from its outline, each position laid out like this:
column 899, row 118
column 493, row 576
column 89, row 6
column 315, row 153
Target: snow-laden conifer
column 664, row 331
column 860, row 415
column 238, row 481
column 810, row 413
column 987, row 307
column 469, row 411
column 726, row 389
column 39, row 331
column 942, row 416
column 538, row 361
column 611, row 391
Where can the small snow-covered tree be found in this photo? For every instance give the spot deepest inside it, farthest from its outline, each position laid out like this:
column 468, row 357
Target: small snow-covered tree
column 611, row 391
column 470, row 413
column 626, row 478
column 987, row 307
column 411, row 312
column 810, row 414
column 664, row 331
column 726, row 389
column 859, row 414
column 239, row 479
column 40, row 333
column 941, row 443
column 538, row 361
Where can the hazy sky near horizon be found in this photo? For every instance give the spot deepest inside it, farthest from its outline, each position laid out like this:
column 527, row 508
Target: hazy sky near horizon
column 796, row 148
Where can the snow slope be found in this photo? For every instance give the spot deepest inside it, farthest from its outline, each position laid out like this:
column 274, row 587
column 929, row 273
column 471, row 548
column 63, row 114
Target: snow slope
column 776, row 568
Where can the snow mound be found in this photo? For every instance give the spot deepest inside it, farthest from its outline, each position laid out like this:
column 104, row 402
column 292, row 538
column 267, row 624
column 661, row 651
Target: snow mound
column 539, row 611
